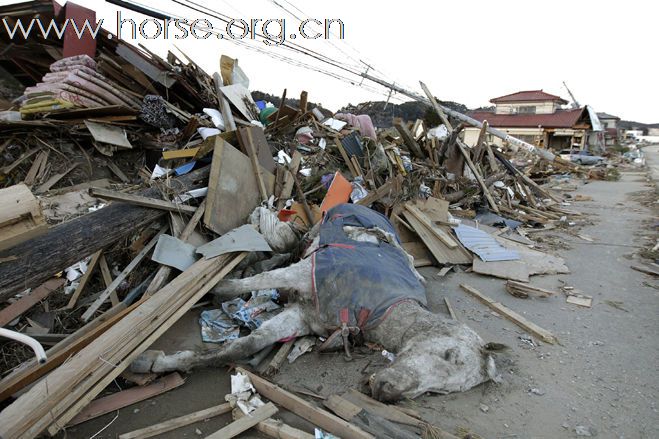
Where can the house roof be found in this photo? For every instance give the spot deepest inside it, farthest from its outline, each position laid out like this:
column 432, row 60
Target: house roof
column 528, row 96
column 559, row 119
column 607, row 116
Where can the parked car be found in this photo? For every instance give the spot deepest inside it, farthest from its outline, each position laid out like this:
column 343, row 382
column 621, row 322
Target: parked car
column 586, row 158
column 581, row 157
column 566, row 154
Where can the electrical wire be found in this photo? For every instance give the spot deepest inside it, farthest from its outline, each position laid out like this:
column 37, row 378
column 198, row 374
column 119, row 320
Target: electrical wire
column 268, row 52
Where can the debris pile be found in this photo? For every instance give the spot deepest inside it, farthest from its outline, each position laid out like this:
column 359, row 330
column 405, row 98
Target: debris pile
column 132, row 184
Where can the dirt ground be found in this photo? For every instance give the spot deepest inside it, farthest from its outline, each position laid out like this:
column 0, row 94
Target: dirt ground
column 602, row 377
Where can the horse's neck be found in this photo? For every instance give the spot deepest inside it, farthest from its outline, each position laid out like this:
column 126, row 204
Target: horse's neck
column 403, row 322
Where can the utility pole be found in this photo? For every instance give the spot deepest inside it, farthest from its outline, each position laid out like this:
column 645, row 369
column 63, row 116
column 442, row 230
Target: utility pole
column 575, row 104
column 543, row 153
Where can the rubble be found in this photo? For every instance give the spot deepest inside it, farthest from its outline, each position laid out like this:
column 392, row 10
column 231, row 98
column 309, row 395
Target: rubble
column 159, row 156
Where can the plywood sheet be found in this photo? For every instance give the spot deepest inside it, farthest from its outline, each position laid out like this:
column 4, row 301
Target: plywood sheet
column 232, row 189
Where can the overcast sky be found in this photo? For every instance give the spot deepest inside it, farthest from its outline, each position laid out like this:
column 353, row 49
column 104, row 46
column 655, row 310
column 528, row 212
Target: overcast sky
column 467, row 52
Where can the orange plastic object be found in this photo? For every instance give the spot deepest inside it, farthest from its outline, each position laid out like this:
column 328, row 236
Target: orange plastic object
column 338, row 193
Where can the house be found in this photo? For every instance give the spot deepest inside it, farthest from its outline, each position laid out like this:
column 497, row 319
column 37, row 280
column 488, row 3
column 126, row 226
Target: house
column 538, row 118
column 611, row 128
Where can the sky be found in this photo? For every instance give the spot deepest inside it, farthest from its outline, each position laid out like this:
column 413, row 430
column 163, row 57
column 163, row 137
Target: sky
column 468, row 52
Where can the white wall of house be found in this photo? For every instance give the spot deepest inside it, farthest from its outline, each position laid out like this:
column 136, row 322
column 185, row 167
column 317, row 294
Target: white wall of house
column 609, row 123
column 527, row 134
column 546, row 107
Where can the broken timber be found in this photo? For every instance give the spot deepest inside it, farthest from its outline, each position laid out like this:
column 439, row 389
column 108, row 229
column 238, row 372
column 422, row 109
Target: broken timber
column 511, row 315
column 181, row 421
column 302, row 408
column 65, row 244
column 140, row 201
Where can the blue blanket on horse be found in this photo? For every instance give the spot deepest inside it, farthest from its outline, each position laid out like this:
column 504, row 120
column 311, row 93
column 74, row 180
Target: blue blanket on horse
column 359, row 281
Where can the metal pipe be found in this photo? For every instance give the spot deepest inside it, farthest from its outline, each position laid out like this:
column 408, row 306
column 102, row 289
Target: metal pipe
column 26, row 339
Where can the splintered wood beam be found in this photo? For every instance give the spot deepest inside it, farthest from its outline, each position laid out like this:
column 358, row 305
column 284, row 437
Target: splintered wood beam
column 181, row 421
column 65, row 244
column 84, row 279
column 511, row 315
column 116, row 401
column 478, row 176
column 256, row 167
column 245, row 423
column 437, row 108
column 122, row 276
column 23, row 304
column 140, row 200
column 304, row 409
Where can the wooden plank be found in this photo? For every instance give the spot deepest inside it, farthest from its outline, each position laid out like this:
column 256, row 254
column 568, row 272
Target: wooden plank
column 408, row 139
column 256, row 168
column 511, row 315
column 136, row 333
column 7, row 169
column 523, row 290
column 420, row 253
column 83, row 236
column 645, row 269
column 439, row 250
column 256, row 137
column 122, row 276
column 366, row 420
column 343, row 408
column 20, row 216
column 37, row 165
column 439, row 233
column 392, row 185
column 346, row 159
column 225, row 109
column 23, row 304
column 477, row 174
column 278, row 359
column 450, row 308
column 52, row 181
column 232, row 190
column 84, row 280
column 289, row 181
column 117, row 171
column 180, row 153
column 388, row 412
column 119, row 400
column 181, row 421
column 140, row 200
column 245, row 423
column 278, row 430
column 302, row 408
column 61, row 351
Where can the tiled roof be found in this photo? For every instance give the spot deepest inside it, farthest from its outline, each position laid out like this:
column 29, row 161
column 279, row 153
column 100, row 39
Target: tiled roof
column 528, row 96
column 607, row 116
column 559, row 119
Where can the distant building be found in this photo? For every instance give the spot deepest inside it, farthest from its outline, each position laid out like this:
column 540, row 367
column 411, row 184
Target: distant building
column 611, row 126
column 537, row 118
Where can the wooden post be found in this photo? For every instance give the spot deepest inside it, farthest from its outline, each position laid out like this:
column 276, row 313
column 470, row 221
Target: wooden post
column 303, row 101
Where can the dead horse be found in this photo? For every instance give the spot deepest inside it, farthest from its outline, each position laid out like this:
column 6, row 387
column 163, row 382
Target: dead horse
column 356, row 278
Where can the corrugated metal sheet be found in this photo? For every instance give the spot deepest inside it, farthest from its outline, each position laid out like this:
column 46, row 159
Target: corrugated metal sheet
column 484, row 245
